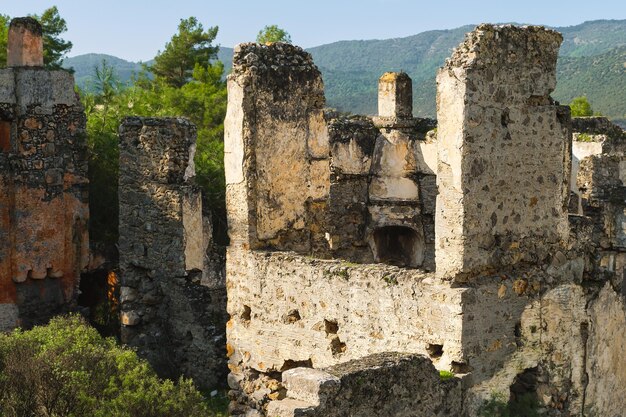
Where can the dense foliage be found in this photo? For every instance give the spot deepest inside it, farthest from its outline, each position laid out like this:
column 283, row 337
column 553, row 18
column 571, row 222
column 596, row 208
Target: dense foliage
column 271, row 34
column 201, row 96
column 4, row 33
column 66, row 369
column 54, row 47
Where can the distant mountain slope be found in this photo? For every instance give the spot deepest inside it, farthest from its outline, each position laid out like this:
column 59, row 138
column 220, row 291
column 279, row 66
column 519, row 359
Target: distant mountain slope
column 592, row 38
column 85, row 65
column 591, row 63
column 351, row 68
column 602, row 78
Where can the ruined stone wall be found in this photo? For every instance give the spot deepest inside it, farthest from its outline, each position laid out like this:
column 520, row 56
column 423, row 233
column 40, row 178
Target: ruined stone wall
column 601, row 183
column 503, row 152
column 167, row 314
column 533, row 318
column 352, row 142
column 521, row 295
column 43, row 182
column 288, row 310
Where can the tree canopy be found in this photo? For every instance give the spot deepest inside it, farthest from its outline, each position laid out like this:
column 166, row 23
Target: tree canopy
column 67, row 369
column 55, row 47
column 271, row 34
column 194, row 89
column 190, row 46
column 4, row 31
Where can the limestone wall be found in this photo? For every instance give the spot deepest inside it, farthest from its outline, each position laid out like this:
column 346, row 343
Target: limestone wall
column 288, row 310
column 43, row 182
column 352, row 143
column 516, row 306
column 166, row 313
column 503, row 152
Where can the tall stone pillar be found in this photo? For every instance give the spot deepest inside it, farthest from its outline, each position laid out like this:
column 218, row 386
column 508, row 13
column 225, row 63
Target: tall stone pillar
column 166, row 312
column 504, row 152
column 276, row 149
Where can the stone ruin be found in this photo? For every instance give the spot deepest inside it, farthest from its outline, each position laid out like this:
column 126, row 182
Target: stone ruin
column 44, row 209
column 172, row 311
column 367, row 254
column 172, row 296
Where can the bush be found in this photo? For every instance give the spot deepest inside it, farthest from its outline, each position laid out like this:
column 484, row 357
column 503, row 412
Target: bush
column 66, row 369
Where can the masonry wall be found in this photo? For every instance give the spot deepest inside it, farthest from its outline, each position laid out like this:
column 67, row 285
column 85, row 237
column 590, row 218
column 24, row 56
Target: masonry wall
column 43, row 187
column 166, row 313
column 317, row 313
column 503, row 152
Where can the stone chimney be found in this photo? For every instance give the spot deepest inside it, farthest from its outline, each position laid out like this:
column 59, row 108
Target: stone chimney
column 25, row 43
column 395, row 95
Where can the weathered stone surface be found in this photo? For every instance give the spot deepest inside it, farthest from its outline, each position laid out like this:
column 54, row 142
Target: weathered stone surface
column 604, row 366
column 389, row 384
column 514, row 308
column 25, row 43
column 395, row 95
column 493, row 109
column 267, row 117
column 344, row 312
column 167, row 314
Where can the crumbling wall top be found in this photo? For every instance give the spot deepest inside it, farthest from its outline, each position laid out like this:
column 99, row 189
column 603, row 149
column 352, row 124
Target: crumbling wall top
column 484, row 46
column 596, row 125
column 157, row 157
column 277, row 57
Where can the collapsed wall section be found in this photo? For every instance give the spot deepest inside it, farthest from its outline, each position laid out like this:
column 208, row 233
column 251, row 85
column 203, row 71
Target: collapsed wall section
column 504, row 151
column 44, row 207
column 166, row 313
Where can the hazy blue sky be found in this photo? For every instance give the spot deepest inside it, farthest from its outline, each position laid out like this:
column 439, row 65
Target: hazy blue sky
column 137, row 29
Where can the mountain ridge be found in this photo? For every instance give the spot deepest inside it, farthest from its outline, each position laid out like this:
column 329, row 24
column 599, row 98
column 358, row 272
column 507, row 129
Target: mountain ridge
column 350, row 68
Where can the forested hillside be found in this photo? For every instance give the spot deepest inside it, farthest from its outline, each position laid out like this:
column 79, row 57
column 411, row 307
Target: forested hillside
column 592, row 63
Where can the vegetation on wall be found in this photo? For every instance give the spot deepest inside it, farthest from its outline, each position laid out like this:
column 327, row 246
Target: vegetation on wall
column 581, row 107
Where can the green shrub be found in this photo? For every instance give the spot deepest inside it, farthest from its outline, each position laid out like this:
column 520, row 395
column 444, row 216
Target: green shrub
column 66, row 369
column 496, row 406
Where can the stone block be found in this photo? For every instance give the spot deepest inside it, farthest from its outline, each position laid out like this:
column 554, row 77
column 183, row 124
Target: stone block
column 313, row 386
column 7, row 86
